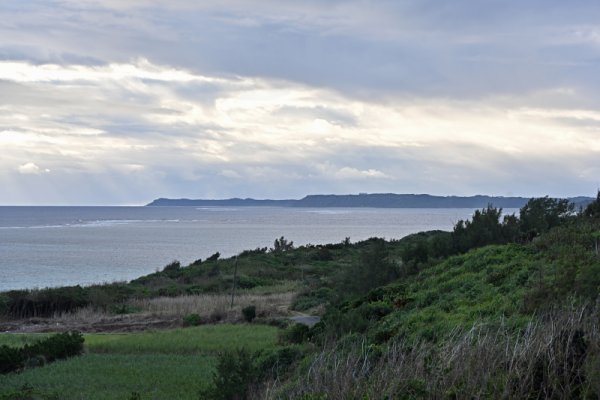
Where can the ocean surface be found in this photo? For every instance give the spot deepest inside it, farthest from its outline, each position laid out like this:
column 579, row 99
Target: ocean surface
column 56, row 246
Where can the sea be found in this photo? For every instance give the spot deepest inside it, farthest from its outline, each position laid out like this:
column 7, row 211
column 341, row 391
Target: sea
column 58, row 246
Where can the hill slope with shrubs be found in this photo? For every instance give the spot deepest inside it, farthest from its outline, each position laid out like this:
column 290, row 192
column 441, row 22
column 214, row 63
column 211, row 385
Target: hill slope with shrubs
column 497, row 308
column 502, row 306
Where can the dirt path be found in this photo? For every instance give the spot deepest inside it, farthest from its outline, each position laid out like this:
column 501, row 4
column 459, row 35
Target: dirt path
column 128, row 323
column 307, row 320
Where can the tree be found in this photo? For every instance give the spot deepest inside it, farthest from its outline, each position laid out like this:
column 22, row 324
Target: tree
column 280, row 245
column 483, row 229
column 541, row 214
column 593, row 209
column 373, row 269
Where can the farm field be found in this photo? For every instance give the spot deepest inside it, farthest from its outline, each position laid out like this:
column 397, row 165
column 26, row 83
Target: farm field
column 155, row 365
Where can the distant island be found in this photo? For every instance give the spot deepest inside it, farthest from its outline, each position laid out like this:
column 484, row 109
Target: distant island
column 372, row 200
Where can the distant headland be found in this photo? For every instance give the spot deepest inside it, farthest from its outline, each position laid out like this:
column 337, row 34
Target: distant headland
column 371, row 200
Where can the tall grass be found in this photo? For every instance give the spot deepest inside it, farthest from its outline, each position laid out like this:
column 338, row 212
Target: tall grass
column 557, row 356
column 162, row 312
column 208, row 304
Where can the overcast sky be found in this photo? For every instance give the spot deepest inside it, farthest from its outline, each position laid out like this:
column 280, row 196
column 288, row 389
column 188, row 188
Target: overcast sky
column 123, row 101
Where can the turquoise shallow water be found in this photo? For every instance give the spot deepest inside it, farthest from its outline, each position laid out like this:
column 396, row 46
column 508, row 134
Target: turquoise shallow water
column 53, row 246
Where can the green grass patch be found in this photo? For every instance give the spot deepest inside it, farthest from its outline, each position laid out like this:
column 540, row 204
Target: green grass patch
column 116, row 376
column 279, row 287
column 21, row 339
column 171, row 364
column 207, row 339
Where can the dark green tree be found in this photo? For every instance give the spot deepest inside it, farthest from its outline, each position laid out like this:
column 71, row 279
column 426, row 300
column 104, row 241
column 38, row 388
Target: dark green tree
column 593, row 209
column 541, row 214
column 483, row 229
column 373, row 269
column 282, row 244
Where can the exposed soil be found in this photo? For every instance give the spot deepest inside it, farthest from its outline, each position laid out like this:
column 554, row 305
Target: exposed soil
column 118, row 323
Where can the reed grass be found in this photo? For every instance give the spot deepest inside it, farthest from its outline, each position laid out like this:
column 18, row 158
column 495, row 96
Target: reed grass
column 556, row 356
column 267, row 305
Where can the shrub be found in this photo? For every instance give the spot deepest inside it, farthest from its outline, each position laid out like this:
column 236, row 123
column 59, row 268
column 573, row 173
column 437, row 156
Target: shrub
column 56, row 347
column 173, row 266
column 296, row 333
column 249, row 313
column 258, row 250
column 233, row 377
column 310, row 299
column 122, row 309
column 45, row 302
column 248, row 282
column 281, row 245
column 214, row 257
column 11, row 359
column 322, row 254
column 375, row 310
column 192, row 320
column 275, row 363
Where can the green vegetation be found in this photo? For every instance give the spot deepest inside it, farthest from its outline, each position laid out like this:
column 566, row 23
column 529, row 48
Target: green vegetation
column 528, row 284
column 207, row 339
column 116, row 376
column 428, row 316
column 157, row 365
column 38, row 353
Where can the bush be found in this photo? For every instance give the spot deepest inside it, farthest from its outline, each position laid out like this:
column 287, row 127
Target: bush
column 192, row 320
column 248, row 282
column 122, row 309
column 258, row 250
column 249, row 313
column 322, row 254
column 275, row 363
column 62, row 345
column 214, row 257
column 56, row 347
column 296, row 333
column 11, row 359
column 45, row 302
column 282, row 245
column 233, row 377
column 310, row 299
column 172, row 269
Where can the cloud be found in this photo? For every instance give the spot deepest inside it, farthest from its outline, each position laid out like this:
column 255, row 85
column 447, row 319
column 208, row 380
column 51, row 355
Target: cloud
column 31, row 169
column 282, row 98
column 168, row 127
column 458, row 50
column 351, row 173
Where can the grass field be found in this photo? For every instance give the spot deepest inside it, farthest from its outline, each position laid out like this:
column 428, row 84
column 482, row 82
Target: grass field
column 157, row 365
column 117, row 376
column 21, row 339
column 208, row 339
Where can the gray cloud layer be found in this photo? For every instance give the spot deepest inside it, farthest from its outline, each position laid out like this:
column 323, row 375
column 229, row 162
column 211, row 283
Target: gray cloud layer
column 124, row 101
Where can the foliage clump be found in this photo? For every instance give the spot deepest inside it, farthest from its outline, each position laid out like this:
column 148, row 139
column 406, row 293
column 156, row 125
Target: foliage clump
column 282, row 245
column 249, row 313
column 56, row 347
column 192, row 320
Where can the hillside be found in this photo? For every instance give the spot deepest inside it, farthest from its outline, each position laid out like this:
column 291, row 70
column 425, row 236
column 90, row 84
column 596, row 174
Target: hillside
column 501, row 307
column 516, row 319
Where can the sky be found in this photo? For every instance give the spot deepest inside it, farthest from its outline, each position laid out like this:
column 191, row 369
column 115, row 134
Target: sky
column 118, row 102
